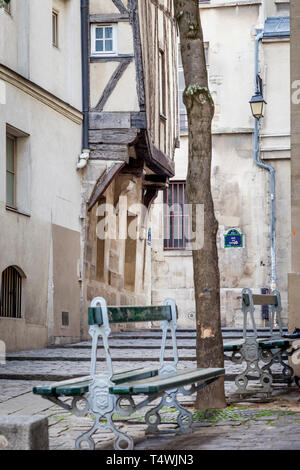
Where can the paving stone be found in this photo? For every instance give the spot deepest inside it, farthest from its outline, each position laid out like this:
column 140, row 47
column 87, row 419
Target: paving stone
column 64, row 428
column 24, row 432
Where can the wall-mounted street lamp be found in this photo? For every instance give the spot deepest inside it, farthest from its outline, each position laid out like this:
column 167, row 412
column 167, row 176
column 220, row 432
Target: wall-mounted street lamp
column 257, row 101
column 257, row 105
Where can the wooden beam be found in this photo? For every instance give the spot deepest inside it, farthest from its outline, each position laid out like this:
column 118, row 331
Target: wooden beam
column 150, row 194
column 118, row 58
column 139, row 120
column 121, row 7
column 112, row 83
column 109, row 18
column 110, row 152
column 157, row 161
column 113, row 136
column 102, row 120
column 103, row 183
column 134, row 20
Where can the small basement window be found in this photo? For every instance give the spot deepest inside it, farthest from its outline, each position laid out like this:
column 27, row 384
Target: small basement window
column 104, row 39
column 11, row 293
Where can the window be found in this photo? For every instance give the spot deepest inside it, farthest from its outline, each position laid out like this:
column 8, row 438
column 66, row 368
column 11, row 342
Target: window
column 54, row 28
column 183, row 122
column 17, row 171
column 162, row 83
column 104, row 39
column 176, row 217
column 11, row 293
column 11, row 171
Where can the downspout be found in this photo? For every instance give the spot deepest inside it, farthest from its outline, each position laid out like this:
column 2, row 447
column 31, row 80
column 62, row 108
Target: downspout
column 83, row 159
column 272, row 174
column 84, row 5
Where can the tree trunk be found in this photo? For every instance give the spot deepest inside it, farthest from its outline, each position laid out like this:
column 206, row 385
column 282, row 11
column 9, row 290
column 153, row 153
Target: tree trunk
column 200, row 111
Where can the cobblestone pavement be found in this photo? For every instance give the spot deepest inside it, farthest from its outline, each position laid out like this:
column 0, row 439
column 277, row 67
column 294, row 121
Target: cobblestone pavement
column 236, row 428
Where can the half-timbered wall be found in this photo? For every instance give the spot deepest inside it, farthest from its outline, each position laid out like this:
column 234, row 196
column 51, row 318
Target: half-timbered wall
column 158, row 41
column 132, row 135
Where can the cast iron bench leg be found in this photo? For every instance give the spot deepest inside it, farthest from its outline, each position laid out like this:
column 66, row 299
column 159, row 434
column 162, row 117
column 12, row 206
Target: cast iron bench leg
column 105, row 422
column 184, row 418
column 251, row 355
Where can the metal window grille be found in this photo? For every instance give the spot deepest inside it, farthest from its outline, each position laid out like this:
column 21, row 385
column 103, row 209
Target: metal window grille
column 11, row 293
column 176, row 218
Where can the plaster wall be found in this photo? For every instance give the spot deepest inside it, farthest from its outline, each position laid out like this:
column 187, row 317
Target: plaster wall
column 241, row 190
column 107, row 7
column 294, row 275
column 46, row 171
column 29, row 50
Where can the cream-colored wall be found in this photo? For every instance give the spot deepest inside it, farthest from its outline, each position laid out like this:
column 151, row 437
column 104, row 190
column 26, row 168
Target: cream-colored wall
column 124, row 96
column 29, row 50
column 241, row 190
column 107, row 7
column 46, row 158
column 53, row 190
column 101, row 72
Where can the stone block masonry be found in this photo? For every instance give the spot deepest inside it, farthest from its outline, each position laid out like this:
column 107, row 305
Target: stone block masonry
column 24, row 433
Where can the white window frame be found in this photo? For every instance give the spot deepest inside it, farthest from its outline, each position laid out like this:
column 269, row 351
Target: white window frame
column 114, row 52
column 55, row 16
column 14, row 172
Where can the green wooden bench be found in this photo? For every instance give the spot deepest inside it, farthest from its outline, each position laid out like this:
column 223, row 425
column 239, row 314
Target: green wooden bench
column 123, row 393
column 260, row 354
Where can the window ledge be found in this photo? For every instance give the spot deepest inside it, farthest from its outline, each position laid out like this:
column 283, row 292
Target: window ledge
column 175, row 253
column 12, row 318
column 11, row 209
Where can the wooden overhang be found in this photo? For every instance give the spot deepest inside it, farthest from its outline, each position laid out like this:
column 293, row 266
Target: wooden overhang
column 103, row 183
column 149, row 156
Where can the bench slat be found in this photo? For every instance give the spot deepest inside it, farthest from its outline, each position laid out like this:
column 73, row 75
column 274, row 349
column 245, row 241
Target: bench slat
column 273, row 343
column 79, row 386
column 233, row 345
column 128, row 314
column 167, row 382
column 50, row 390
column 264, row 343
column 260, row 299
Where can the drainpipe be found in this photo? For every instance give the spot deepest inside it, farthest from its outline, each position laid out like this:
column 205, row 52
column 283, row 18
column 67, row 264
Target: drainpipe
column 83, row 159
column 270, row 169
column 84, row 5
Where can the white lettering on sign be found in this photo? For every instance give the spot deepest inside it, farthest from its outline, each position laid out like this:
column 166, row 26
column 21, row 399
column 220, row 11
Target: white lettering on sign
column 296, row 93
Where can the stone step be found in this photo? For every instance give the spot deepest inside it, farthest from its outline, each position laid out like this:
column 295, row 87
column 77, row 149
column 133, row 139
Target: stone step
column 58, row 377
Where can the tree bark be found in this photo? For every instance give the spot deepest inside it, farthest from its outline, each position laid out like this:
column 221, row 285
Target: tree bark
column 200, row 111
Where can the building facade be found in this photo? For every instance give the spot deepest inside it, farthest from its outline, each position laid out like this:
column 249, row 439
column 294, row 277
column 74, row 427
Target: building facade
column 132, row 132
column 88, row 128
column 40, row 140
column 294, row 274
column 241, row 189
